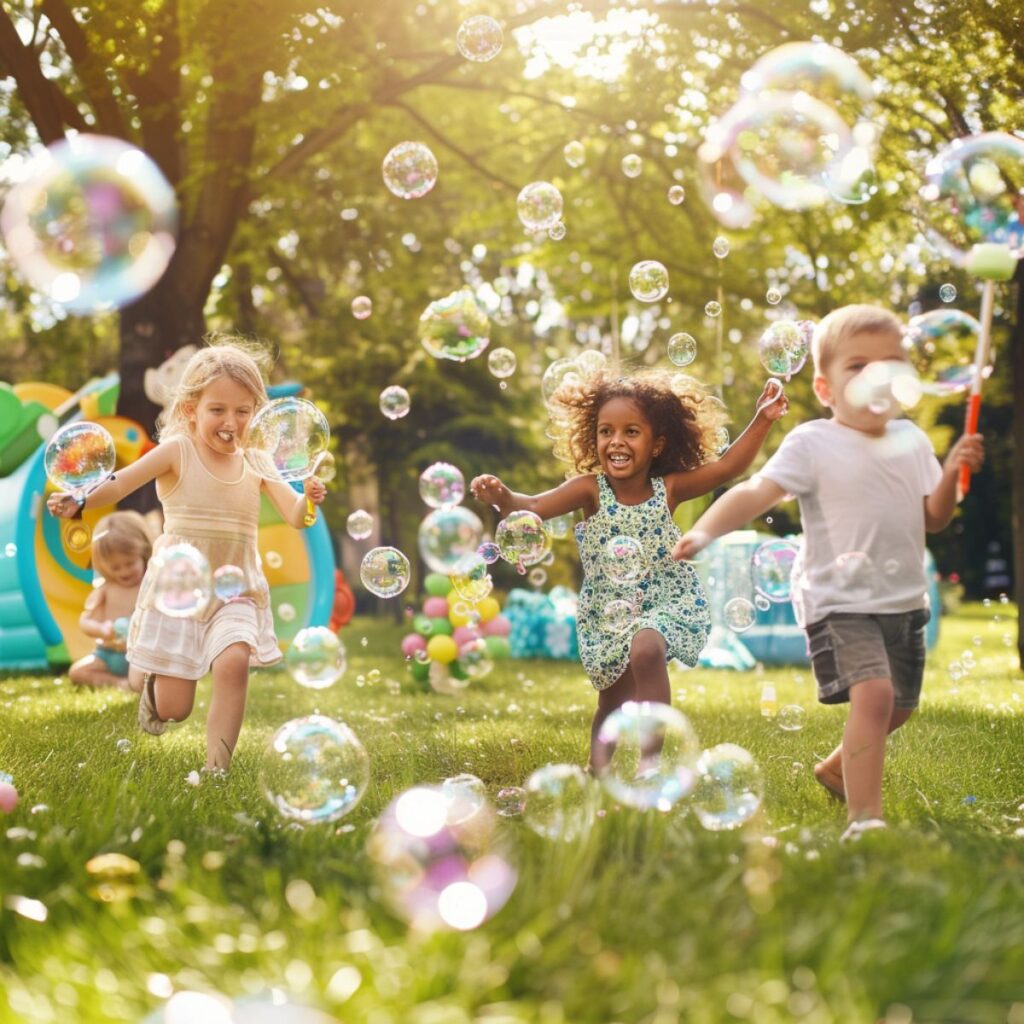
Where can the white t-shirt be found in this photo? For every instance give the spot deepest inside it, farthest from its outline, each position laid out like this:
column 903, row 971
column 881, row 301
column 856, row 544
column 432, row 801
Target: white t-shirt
column 862, row 509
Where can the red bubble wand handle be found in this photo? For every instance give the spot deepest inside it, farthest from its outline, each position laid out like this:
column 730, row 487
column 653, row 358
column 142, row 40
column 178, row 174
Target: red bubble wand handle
column 980, row 362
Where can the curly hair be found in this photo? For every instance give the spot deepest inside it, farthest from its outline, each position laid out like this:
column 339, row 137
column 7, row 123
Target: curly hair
column 677, row 406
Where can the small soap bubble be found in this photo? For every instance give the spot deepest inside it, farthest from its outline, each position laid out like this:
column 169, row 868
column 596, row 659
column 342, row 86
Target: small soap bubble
column 441, row 485
column 947, row 292
column 729, row 789
column 773, row 296
column 676, row 195
column 713, row 309
column 228, row 582
column 682, row 349
column 362, row 307
column 510, row 801
column 359, row 524
column 410, row 170
column 479, row 38
column 395, row 402
column 557, row 231
column 632, row 165
column 575, row 153
column 316, row 658
column 502, row 362
column 385, row 572
column 537, row 577
column 124, row 746
column 625, row 560
column 539, row 205
column 720, row 247
column 648, row 281
column 286, row 612
column 739, row 614
column 791, row 717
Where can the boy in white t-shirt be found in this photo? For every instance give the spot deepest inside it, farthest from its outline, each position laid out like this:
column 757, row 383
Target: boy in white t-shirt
column 869, row 486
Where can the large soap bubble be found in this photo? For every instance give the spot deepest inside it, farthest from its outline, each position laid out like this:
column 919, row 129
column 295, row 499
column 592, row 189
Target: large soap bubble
column 783, row 348
column 439, row 862
column 479, row 38
column 624, row 560
column 940, row 345
column 447, row 535
column 79, row 457
column 316, row 657
column 648, row 281
column 471, row 578
column 314, row 770
column 184, row 583
column 442, row 484
column 294, row 433
column 522, row 539
column 385, row 572
column 455, row 327
column 820, row 70
column 650, row 752
column 559, row 372
column 730, row 788
column 975, row 194
column 410, row 170
column 771, row 568
column 560, row 802
column 91, row 223
column 539, row 205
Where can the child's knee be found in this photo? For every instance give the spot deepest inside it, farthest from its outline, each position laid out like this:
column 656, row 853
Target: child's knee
column 174, row 699
column 873, row 698
column 233, row 661
column 647, row 652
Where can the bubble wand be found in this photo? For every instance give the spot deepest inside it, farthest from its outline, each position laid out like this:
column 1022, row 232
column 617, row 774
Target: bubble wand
column 989, row 262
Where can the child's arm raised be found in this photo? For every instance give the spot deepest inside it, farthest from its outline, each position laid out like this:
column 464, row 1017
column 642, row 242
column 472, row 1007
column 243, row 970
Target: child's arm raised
column 940, row 505
column 772, row 405
column 291, row 506
column 579, row 492
column 164, row 458
column 742, row 503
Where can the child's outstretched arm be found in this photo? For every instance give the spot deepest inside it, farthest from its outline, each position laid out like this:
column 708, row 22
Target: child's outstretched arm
column 940, row 505
column 744, row 502
column 157, row 461
column 772, row 405
column 579, row 492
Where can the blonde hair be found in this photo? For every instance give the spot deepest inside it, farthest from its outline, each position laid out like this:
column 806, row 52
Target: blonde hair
column 121, row 533
column 224, row 356
column 845, row 322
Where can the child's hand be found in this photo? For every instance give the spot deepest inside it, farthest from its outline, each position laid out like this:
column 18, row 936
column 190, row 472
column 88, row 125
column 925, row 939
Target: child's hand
column 773, row 403
column 969, row 450
column 62, row 505
column 314, row 489
column 490, row 490
column 690, row 545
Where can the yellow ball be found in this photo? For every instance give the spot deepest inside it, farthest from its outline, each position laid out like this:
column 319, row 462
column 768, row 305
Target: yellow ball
column 460, row 613
column 442, row 648
column 488, row 608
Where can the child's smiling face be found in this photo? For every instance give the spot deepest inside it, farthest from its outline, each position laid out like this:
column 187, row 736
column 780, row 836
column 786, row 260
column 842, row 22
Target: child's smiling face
column 626, row 445
column 222, row 415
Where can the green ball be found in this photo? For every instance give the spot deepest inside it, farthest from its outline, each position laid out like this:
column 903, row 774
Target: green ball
column 423, row 625
column 419, row 670
column 437, row 585
column 497, row 646
column 457, row 670
column 441, row 627
column 991, row 261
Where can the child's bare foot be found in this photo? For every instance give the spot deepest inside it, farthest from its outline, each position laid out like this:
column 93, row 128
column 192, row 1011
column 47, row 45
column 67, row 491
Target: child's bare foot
column 831, row 780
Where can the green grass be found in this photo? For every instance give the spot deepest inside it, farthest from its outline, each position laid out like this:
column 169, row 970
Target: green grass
column 647, row 919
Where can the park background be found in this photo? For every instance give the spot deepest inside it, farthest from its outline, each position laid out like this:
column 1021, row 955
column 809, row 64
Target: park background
column 271, row 121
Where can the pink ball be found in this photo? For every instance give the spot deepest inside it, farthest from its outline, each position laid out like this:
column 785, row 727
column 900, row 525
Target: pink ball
column 463, row 634
column 412, row 644
column 435, row 608
column 8, row 797
column 498, row 626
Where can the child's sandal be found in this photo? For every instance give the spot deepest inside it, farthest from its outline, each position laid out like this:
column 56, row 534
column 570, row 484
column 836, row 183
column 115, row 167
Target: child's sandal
column 149, row 720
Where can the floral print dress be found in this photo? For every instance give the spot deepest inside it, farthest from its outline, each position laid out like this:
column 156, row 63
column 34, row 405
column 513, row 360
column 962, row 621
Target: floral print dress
column 668, row 598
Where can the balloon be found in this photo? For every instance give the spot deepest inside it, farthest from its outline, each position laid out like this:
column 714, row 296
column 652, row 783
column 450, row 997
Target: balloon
column 435, row 607
column 411, row 643
column 421, row 624
column 461, row 613
column 498, row 626
column 463, row 634
column 497, row 646
column 437, row 584
column 440, row 627
column 443, row 649
column 488, row 608
column 419, row 670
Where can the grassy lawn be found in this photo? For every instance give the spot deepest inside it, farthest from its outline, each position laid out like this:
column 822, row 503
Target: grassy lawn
column 645, row 919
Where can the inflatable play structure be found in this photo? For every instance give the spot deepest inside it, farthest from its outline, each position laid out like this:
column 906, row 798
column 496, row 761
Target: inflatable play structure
column 44, row 581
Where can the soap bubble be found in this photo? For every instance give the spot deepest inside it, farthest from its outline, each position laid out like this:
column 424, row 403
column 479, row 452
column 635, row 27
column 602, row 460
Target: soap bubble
column 625, row 560
column 739, row 614
column 824, row 72
column 314, row 770
column 316, row 658
column 591, row 360
column 791, row 717
column 561, row 371
column 479, row 38
column 761, row 603
column 325, row 468
column 442, row 484
column 470, row 578
column 851, row 178
column 455, row 327
column 575, row 153
column 720, row 247
column 79, row 457
column 359, row 524
column 947, row 292
column 274, row 559
column 522, row 539
column 772, row 567
column 676, row 195
column 941, row 345
column 286, row 612
column 713, row 309
column 475, row 658
column 618, row 616
column 183, row 584
column 682, row 349
column 91, row 223
column 560, row 526
column 560, row 802
column 651, row 752
column 632, row 165
column 510, row 801
column 731, row 199
column 975, row 195
column 385, row 571
column 782, row 348
column 648, row 281
column 464, row 795
column 395, row 402
column 537, row 577
column 773, row 296
column 294, row 433
column 489, row 552
column 502, row 362
column 228, row 582
column 557, row 231
column 410, row 170
column 539, row 205
column 729, row 788
column 447, row 535
column 436, row 872
column 362, row 307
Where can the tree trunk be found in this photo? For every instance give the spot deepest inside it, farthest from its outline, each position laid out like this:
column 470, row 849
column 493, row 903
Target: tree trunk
column 1016, row 347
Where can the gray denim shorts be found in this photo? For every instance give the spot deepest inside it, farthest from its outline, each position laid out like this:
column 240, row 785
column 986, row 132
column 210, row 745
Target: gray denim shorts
column 847, row 647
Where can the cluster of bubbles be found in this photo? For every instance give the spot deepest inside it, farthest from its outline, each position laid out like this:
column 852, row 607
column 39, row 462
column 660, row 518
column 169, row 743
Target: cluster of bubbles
column 91, row 223
column 539, row 206
column 293, row 433
column 479, row 38
column 784, row 346
column 648, row 281
column 410, row 170
column 455, row 327
column 789, row 137
column 395, row 402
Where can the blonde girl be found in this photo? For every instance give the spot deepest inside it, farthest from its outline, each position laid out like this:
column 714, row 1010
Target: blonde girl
column 210, row 487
